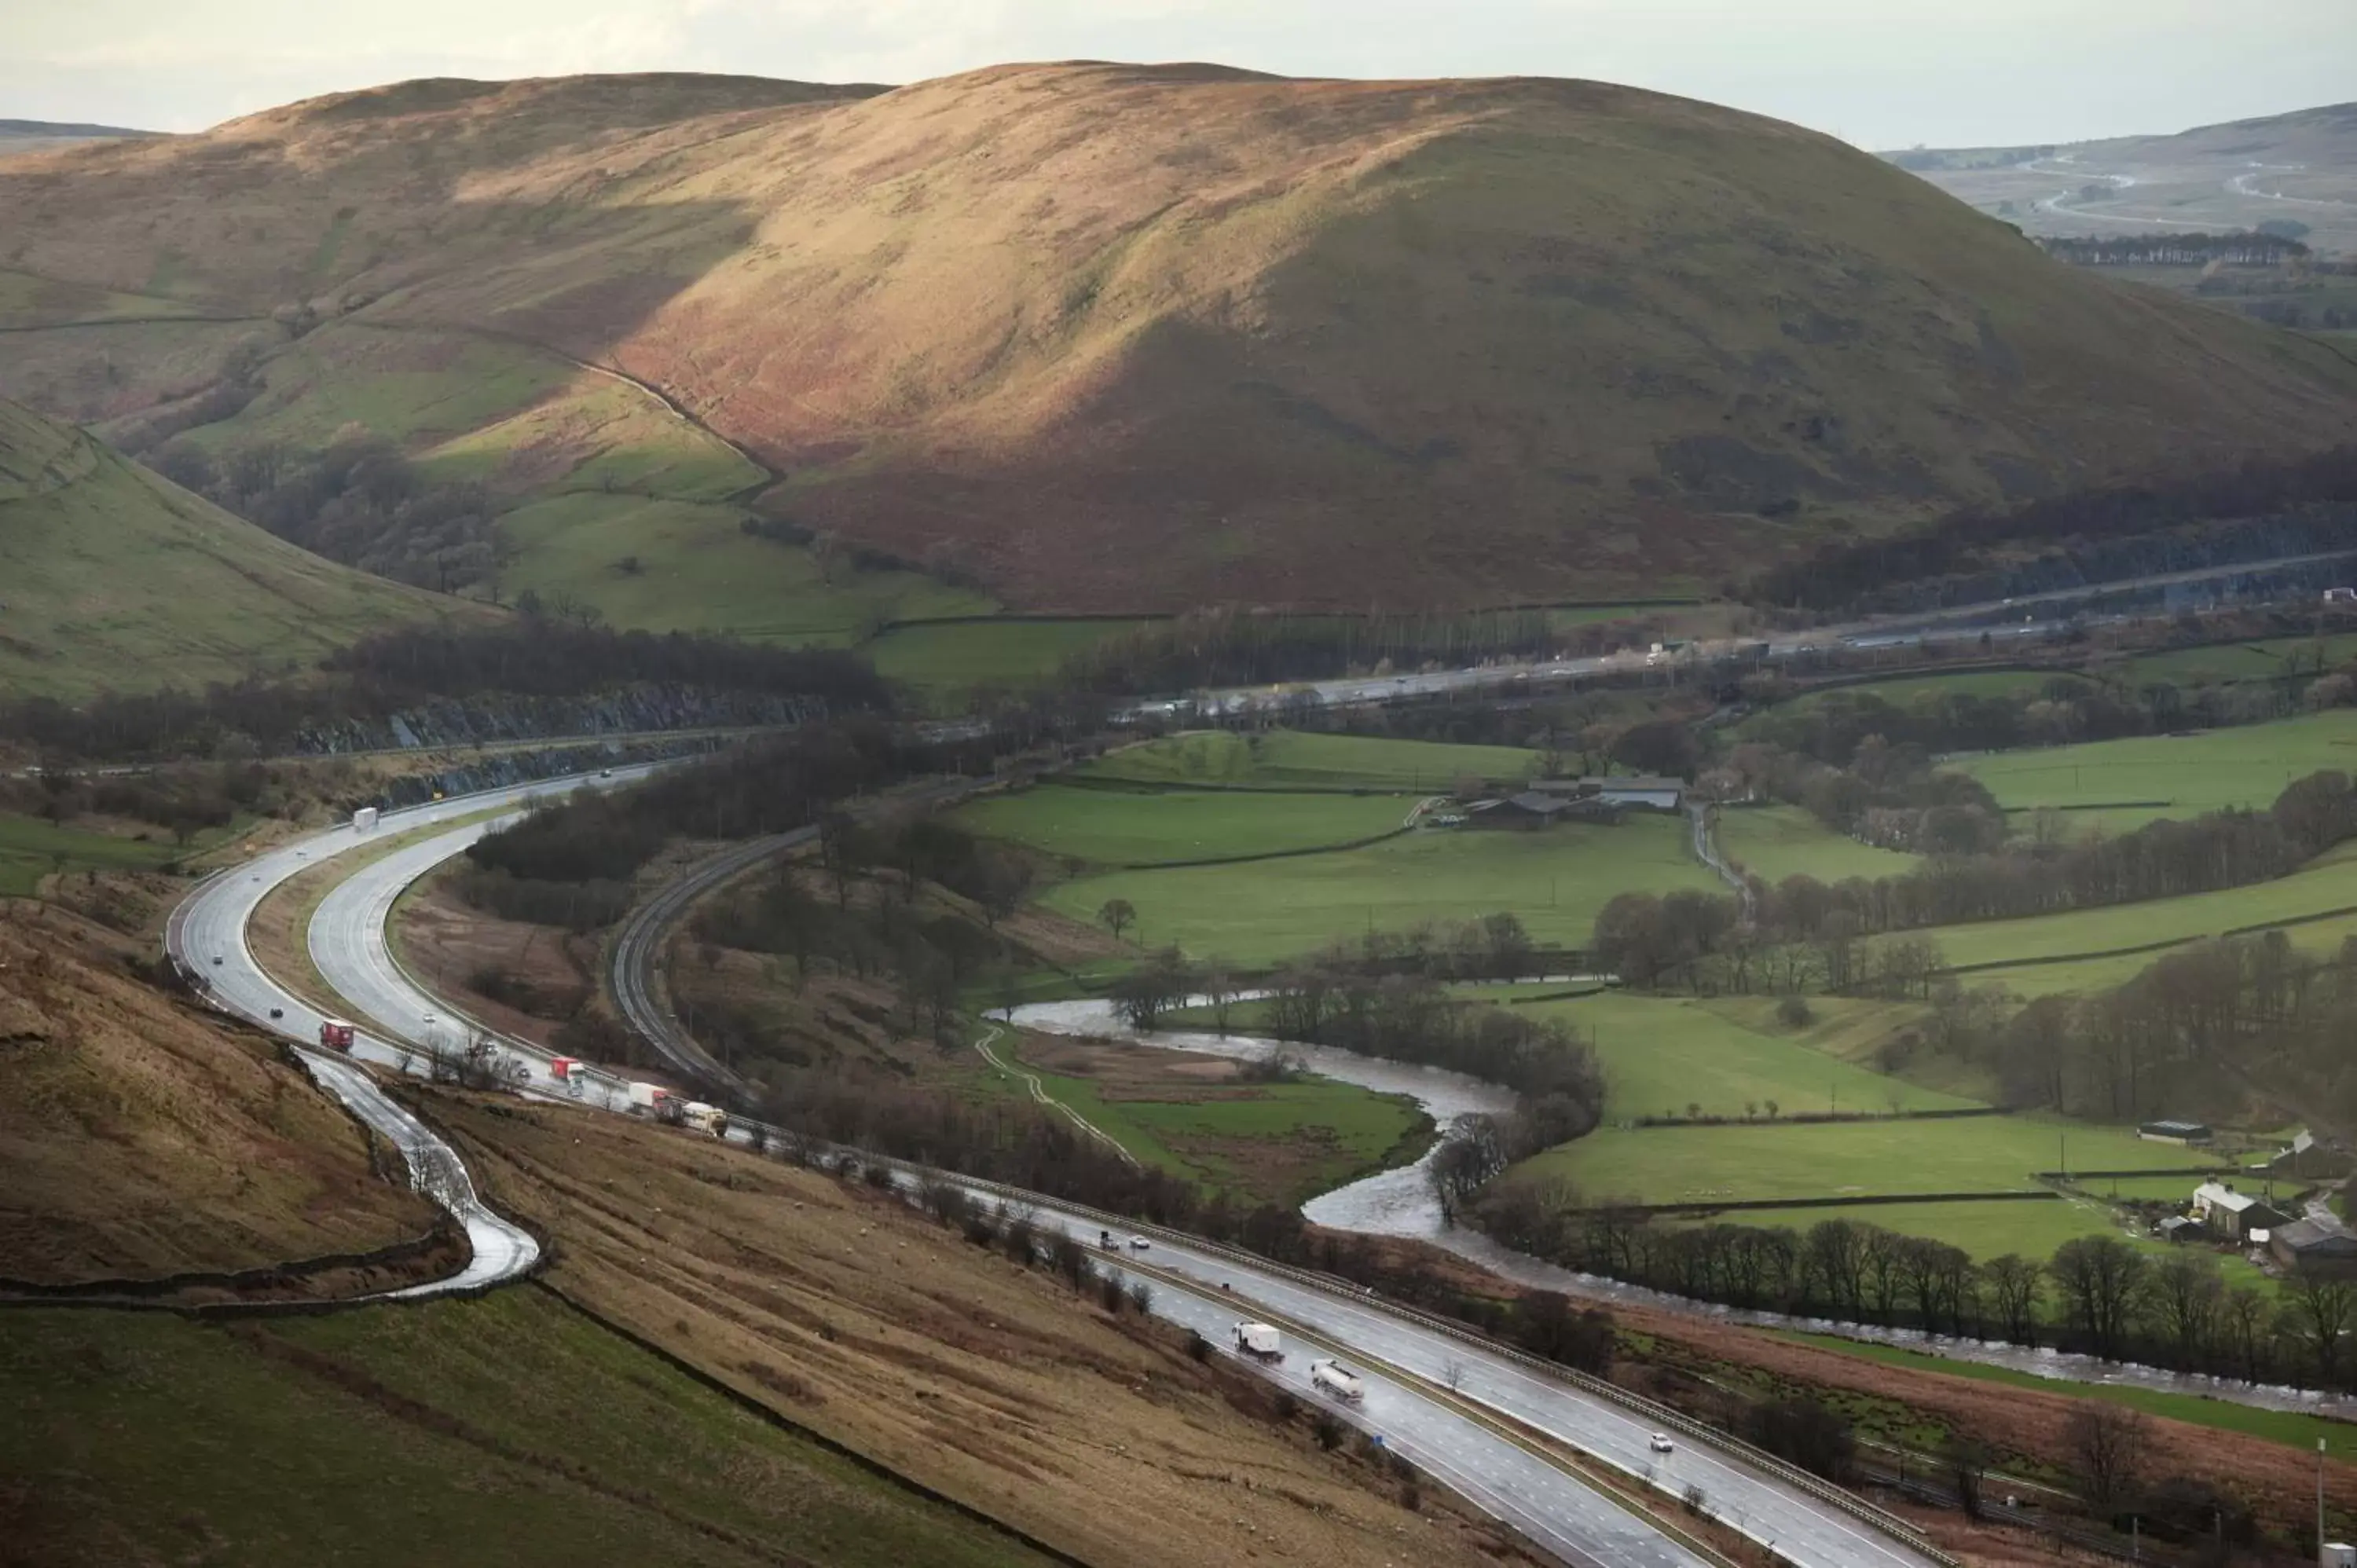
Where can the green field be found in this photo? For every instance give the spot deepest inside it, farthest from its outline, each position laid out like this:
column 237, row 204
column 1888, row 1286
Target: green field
column 1109, row 827
column 696, row 570
column 1838, row 1159
column 1776, row 841
column 2228, row 662
column 2326, row 883
column 1264, row 911
column 111, row 578
column 503, row 1430
column 1352, row 1132
column 31, row 849
column 1904, row 690
column 2195, row 773
column 2032, row 1228
column 1014, row 654
column 1281, row 760
column 412, row 387
column 2290, row 1428
column 1661, row 1054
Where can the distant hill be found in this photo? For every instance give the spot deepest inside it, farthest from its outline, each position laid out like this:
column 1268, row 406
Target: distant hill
column 1108, row 336
column 70, row 131
column 2295, row 172
column 111, row 576
column 45, row 136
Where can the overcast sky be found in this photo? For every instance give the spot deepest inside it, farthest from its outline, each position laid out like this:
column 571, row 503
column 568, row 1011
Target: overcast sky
column 1882, row 73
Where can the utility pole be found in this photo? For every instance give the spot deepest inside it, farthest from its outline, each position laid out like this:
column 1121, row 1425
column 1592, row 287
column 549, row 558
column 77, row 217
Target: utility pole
column 2319, row 1500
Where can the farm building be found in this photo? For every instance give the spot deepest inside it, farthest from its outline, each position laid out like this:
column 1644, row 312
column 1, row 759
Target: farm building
column 2179, row 1228
column 2175, row 1132
column 2311, row 1246
column 2310, row 1157
column 1650, row 794
column 1538, row 808
column 2232, row 1216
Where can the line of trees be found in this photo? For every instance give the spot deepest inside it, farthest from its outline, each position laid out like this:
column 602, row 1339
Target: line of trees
column 2062, row 710
column 2195, row 1028
column 523, row 657
column 1809, row 934
column 2288, row 507
column 2098, row 1294
column 2245, row 249
column 2159, row 860
column 358, row 500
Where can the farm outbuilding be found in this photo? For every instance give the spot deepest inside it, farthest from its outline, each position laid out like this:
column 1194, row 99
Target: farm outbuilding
column 2311, row 1246
column 2175, row 1132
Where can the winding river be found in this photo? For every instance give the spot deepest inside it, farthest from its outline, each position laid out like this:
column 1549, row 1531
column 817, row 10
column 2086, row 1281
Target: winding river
column 1400, row 1202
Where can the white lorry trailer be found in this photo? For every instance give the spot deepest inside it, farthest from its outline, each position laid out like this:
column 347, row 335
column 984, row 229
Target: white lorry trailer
column 653, row 1100
column 1260, row 1341
column 364, row 820
column 1335, row 1379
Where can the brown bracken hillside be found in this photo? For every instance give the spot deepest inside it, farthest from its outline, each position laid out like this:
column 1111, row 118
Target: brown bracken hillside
column 1133, row 336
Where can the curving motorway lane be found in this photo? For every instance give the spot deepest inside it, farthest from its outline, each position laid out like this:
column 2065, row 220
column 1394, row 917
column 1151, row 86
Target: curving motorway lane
column 207, row 936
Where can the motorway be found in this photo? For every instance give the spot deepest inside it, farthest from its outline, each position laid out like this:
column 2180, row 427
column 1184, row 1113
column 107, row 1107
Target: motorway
column 1461, row 1439
column 2004, row 623
column 207, row 937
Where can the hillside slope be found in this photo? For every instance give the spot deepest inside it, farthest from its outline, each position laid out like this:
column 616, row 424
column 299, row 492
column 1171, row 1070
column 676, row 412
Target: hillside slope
column 1145, row 336
column 111, row 578
column 141, row 1139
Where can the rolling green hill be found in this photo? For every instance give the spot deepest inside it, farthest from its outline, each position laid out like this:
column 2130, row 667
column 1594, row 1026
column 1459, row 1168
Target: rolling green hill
column 1121, row 337
column 111, row 578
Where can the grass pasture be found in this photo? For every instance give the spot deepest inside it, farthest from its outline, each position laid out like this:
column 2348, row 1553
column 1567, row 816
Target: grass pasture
column 2008, row 951
column 2229, row 662
column 1287, row 759
column 1276, row 1142
column 1264, row 911
column 1661, row 1054
column 1838, row 1159
column 2208, row 771
column 1776, row 841
column 1117, row 828
column 696, row 570
column 31, row 849
column 507, row 1429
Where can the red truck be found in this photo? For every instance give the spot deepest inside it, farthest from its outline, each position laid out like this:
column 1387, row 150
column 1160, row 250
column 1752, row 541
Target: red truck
column 336, row 1035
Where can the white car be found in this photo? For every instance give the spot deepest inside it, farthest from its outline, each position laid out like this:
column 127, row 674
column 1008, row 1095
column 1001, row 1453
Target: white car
column 1139, row 1243
column 1660, row 1443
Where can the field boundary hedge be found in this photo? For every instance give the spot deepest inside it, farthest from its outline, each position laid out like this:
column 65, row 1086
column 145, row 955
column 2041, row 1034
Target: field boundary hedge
column 1846, row 1200
column 2250, row 930
column 1265, row 855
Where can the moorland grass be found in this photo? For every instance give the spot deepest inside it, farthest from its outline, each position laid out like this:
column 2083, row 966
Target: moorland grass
column 507, row 1429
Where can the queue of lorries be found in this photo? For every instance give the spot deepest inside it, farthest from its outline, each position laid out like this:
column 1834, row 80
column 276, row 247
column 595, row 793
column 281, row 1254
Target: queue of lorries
column 649, row 1099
